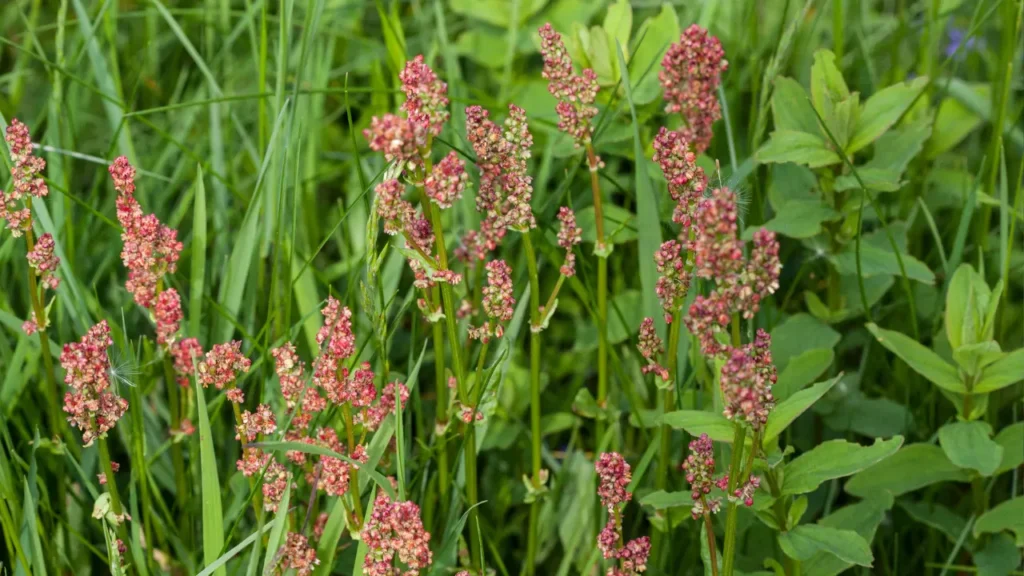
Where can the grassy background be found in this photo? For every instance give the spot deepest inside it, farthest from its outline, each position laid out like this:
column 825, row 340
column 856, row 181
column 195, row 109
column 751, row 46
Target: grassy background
column 245, row 121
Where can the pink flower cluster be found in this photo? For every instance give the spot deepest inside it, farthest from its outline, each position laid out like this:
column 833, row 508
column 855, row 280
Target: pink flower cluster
column 168, row 316
column 569, row 235
column 186, row 352
column 426, row 97
column 747, row 379
column 289, row 370
column 44, row 265
column 506, row 187
column 91, row 406
column 651, row 346
column 395, row 532
column 27, row 180
column 740, row 284
column 673, row 282
column 686, row 181
column 406, row 139
column 446, row 181
column 151, row 249
column 575, row 93
column 221, row 367
column 691, row 73
column 614, row 476
column 699, row 467
column 297, row 555
column 498, row 301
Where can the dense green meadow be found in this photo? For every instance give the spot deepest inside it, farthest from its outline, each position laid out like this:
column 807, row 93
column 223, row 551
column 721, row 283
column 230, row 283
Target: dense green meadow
column 512, row 287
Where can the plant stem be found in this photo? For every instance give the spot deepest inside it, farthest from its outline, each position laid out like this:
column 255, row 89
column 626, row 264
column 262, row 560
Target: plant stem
column 177, row 454
column 838, row 30
column 669, row 399
column 257, row 498
column 57, row 426
column 551, row 299
column 460, row 381
column 441, row 388
column 729, row 550
column 353, row 485
column 535, row 439
column 712, row 546
column 115, row 496
column 602, row 290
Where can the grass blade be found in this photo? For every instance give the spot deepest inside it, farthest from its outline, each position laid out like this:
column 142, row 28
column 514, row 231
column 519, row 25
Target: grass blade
column 213, row 515
column 195, row 309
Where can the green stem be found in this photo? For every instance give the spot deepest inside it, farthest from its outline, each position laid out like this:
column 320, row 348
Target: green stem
column 441, row 388
column 257, row 499
column 353, row 485
column 551, row 299
column 709, row 528
column 669, row 399
column 602, row 289
column 838, row 30
column 177, row 453
column 535, row 439
column 729, row 550
column 39, row 311
column 115, row 496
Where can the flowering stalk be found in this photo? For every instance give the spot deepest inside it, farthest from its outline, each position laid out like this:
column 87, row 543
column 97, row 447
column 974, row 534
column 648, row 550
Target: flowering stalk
column 16, row 209
column 614, row 476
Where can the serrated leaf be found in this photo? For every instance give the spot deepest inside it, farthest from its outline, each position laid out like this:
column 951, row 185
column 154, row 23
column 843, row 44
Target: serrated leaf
column 834, row 459
column 913, row 467
column 803, row 542
column 920, row 359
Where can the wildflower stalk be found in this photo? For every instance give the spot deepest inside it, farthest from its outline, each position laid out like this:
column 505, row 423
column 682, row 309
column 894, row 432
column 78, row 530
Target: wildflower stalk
column 353, row 485
column 602, row 288
column 441, row 387
column 709, row 529
column 115, row 496
column 669, row 399
column 535, row 455
column 460, row 382
column 257, row 504
column 729, row 549
column 177, row 454
column 39, row 310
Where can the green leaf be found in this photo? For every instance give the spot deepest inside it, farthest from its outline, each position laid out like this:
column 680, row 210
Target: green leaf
column 648, row 222
column 973, row 357
column 1007, row 516
column 213, row 513
column 920, row 359
column 791, row 108
column 653, row 38
column 882, row 110
column 913, row 467
column 801, row 371
column 875, row 261
column 618, row 23
column 697, row 422
column 965, row 288
column 827, row 84
column 1011, row 439
column 798, row 219
column 998, row 558
column 277, row 535
column 195, row 309
column 953, row 123
column 227, row 556
column 799, row 333
column 893, row 153
column 787, row 411
column 968, row 445
column 834, row 459
column 601, row 54
column 797, row 147
column 803, row 542
column 661, row 500
column 937, row 516
column 1007, row 370
column 620, row 225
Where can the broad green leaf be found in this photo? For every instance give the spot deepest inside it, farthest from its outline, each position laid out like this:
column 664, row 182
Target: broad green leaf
column 871, row 417
column 1006, row 516
column 801, row 371
column 827, row 84
column 998, row 558
column 912, row 468
column 787, row 411
column 483, row 45
column 618, row 24
column 896, row 148
column 620, row 225
column 968, row 445
column 834, row 459
column 697, row 422
column 661, row 500
column 863, row 518
column 803, row 542
column 843, row 118
column 882, row 110
column 791, row 107
column 920, row 359
column 875, row 261
column 798, row 334
column 973, row 357
column 1011, row 439
column 213, row 514
column 798, row 219
column 937, row 516
column 953, row 123
column 963, row 292
column 602, row 57
column 1007, row 370
column 653, row 39
column 797, row 147
column 586, row 406
column 877, row 179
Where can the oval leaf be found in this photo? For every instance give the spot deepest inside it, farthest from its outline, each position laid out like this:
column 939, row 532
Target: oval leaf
column 968, row 445
column 834, row 459
column 921, row 359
